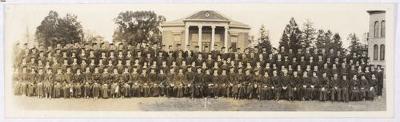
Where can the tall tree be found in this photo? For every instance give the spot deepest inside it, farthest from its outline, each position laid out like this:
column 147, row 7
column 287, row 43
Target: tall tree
column 55, row 30
column 308, row 35
column 336, row 43
column 263, row 41
column 355, row 44
column 139, row 27
column 291, row 36
column 320, row 40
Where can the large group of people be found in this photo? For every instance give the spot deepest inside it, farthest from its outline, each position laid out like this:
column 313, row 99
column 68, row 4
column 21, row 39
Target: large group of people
column 103, row 70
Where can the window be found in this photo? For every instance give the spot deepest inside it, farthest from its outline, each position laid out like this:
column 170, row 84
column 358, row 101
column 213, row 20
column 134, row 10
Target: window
column 382, row 52
column 375, row 52
column 383, row 28
column 234, row 44
column 376, row 29
column 234, row 47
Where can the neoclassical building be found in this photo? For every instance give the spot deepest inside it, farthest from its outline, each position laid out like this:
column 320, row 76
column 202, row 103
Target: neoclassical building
column 376, row 37
column 205, row 31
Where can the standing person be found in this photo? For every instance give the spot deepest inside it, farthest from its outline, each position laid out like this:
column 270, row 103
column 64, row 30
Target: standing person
column 231, row 81
column 265, row 90
column 162, row 78
column 355, row 89
column 213, row 85
column 24, row 81
column 189, row 82
column 145, row 89
column 179, row 81
column 78, row 79
column 39, row 84
column 170, row 91
column 363, row 87
column 17, row 80
column 324, row 85
column 78, row 89
column 285, row 79
column 277, row 87
column 305, row 83
column 222, row 85
column 313, row 83
column 104, row 90
column 134, row 78
column 114, row 89
column 87, row 88
column 57, row 90
column 335, row 90
column 154, row 87
column 372, row 87
column 48, row 84
column 200, row 84
column 380, row 76
column 96, row 90
column 66, row 88
column 126, row 88
column 345, row 88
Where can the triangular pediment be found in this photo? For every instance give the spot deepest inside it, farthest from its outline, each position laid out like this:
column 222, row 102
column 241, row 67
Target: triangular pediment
column 207, row 15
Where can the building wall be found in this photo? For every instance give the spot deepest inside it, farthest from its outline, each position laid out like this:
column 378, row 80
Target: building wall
column 173, row 36
column 372, row 40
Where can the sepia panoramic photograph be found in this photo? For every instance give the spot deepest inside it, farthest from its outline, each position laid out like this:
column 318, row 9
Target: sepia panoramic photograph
column 174, row 60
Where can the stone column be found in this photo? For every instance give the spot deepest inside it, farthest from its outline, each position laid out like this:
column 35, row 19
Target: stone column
column 226, row 39
column 200, row 37
column 186, row 36
column 212, row 37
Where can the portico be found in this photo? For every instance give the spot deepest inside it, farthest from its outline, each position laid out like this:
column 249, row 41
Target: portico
column 206, row 40
column 205, row 31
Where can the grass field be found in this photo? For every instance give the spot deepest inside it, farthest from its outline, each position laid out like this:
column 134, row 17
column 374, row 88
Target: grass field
column 187, row 104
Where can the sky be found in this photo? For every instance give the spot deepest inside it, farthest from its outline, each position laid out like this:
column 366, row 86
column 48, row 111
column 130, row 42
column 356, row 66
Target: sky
column 98, row 18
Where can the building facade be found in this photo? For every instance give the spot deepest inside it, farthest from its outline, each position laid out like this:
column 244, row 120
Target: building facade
column 376, row 37
column 205, row 31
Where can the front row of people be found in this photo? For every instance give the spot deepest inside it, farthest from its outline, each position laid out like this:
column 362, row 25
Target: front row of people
column 200, row 84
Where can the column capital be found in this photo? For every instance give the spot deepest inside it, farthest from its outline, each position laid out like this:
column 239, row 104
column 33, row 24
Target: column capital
column 200, row 26
column 213, row 26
